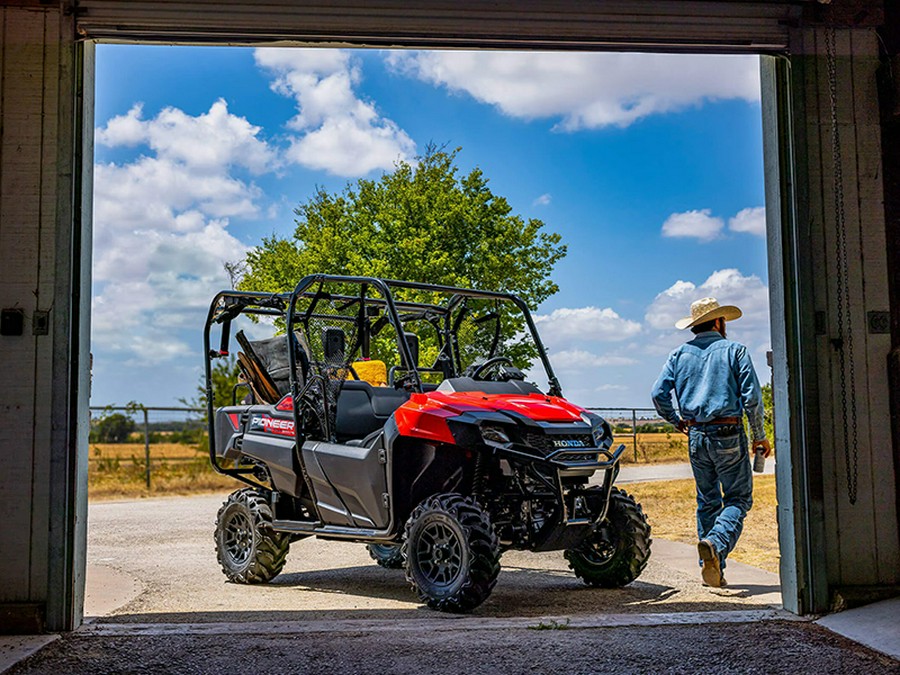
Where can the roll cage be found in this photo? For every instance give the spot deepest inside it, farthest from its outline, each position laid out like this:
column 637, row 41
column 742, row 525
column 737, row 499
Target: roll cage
column 365, row 305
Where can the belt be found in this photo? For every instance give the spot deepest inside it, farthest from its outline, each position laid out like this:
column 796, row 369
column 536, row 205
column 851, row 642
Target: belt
column 718, row 420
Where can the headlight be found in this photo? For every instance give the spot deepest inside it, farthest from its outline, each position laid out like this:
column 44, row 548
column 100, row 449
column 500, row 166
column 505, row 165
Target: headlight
column 494, row 435
column 599, row 429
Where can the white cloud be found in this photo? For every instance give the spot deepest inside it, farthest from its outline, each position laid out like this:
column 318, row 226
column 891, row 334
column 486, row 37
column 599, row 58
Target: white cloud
column 585, row 90
column 337, row 131
column 697, row 224
column 752, row 221
column 584, row 324
column 161, row 227
column 209, row 141
column 729, row 287
column 611, row 387
column 543, row 200
column 578, row 359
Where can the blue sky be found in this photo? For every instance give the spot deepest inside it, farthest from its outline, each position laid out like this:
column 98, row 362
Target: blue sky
column 649, row 166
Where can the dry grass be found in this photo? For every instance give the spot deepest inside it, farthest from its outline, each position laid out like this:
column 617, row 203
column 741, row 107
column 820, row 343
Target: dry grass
column 118, row 470
column 653, row 448
column 157, row 450
column 670, row 506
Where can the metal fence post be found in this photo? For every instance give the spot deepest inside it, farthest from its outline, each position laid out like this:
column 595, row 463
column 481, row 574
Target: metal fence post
column 147, row 443
column 634, row 432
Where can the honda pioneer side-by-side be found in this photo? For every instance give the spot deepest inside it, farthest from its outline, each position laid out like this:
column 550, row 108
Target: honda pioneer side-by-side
column 399, row 415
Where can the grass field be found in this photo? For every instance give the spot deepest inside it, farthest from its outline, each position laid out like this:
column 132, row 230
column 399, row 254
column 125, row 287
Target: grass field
column 118, row 470
column 670, row 508
column 653, row 448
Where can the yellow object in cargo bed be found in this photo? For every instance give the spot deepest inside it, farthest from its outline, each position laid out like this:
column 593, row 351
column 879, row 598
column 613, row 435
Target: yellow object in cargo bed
column 373, row 372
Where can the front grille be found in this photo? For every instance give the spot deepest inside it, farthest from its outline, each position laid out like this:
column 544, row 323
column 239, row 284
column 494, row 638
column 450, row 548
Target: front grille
column 577, row 457
column 545, row 442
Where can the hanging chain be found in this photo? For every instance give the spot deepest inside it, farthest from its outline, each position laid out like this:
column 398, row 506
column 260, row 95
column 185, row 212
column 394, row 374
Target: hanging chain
column 845, row 355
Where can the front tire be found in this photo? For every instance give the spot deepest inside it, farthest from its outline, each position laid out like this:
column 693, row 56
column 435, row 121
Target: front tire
column 452, row 553
column 617, row 551
column 248, row 549
column 387, row 555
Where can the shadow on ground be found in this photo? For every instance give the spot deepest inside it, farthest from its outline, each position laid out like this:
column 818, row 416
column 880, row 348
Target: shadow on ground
column 520, row 592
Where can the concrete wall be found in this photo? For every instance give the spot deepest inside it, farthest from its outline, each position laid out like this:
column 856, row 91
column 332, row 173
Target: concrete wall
column 39, row 422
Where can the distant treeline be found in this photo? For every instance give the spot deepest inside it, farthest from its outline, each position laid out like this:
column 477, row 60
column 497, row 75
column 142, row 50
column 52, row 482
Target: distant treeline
column 121, row 428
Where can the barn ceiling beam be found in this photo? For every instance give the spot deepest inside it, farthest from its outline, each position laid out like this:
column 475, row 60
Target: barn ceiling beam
column 669, row 25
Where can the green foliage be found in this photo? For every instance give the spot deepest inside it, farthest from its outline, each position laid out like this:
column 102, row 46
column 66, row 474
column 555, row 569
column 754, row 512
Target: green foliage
column 418, row 223
column 224, row 374
column 661, row 427
column 769, row 407
column 552, row 624
column 421, row 222
column 112, row 428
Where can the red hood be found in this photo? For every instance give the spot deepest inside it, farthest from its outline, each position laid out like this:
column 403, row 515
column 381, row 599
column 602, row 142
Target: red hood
column 537, row 407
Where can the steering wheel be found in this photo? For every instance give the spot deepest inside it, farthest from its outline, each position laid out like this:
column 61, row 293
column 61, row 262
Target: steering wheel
column 490, row 363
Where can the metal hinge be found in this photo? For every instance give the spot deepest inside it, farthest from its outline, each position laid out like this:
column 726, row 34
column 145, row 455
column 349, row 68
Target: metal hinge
column 386, row 500
column 382, row 456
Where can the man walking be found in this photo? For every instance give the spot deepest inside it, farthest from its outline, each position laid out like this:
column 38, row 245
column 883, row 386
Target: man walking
column 714, row 383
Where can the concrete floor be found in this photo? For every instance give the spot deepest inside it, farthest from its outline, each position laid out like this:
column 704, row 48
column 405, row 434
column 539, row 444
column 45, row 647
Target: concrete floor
column 415, row 647
column 153, row 560
column 160, row 604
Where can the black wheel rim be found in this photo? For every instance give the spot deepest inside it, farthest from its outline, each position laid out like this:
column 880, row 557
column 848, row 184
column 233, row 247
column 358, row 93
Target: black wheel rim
column 600, row 549
column 439, row 554
column 238, row 538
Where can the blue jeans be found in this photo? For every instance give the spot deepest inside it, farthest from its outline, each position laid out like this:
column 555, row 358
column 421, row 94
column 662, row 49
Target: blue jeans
column 720, row 460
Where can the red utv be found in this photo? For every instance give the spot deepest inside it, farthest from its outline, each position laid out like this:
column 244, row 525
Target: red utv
column 401, row 415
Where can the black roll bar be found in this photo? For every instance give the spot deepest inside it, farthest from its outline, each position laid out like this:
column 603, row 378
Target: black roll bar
column 279, row 304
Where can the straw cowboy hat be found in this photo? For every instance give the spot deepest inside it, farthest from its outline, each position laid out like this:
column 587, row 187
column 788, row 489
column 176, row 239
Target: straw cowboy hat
column 707, row 309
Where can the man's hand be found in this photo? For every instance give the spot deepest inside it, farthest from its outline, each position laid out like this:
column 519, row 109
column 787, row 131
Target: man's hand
column 683, row 427
column 765, row 445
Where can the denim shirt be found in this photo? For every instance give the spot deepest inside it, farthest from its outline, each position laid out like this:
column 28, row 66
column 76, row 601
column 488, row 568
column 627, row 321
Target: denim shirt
column 711, row 377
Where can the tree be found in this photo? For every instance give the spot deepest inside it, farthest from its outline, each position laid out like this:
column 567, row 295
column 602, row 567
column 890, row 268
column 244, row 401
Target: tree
column 112, row 428
column 224, row 376
column 769, row 408
column 421, row 222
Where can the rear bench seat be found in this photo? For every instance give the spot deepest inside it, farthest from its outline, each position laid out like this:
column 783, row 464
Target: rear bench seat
column 362, row 408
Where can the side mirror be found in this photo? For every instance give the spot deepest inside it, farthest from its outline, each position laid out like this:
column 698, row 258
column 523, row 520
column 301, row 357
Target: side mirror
column 412, row 343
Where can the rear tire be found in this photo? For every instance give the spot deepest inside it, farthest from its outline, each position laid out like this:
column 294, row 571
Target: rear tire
column 617, row 551
column 387, row 555
column 452, row 553
column 248, row 549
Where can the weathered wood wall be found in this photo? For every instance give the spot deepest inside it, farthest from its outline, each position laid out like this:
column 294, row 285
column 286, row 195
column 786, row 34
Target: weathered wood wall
column 847, row 489
column 861, row 537
column 38, row 427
